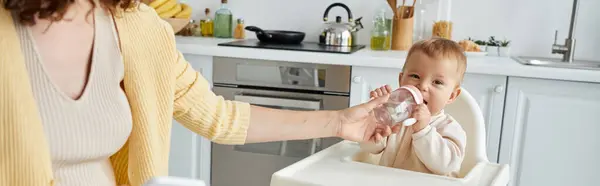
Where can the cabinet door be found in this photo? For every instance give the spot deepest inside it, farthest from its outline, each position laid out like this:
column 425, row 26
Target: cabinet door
column 190, row 153
column 550, row 132
column 489, row 91
column 365, row 79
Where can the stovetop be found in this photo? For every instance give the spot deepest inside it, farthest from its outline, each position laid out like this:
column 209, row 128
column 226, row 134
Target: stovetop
column 304, row 46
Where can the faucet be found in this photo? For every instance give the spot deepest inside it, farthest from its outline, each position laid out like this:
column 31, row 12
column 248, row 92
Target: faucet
column 568, row 49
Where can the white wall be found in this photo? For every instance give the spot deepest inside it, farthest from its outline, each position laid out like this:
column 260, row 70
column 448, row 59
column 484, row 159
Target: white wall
column 530, row 24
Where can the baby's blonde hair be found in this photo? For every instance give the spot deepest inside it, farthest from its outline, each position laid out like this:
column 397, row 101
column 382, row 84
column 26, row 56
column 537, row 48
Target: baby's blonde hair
column 441, row 48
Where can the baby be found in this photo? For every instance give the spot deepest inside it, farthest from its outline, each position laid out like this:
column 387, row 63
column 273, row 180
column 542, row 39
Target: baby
column 436, row 143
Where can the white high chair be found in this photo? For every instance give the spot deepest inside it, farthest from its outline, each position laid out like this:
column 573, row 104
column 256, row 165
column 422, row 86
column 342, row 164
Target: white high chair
column 339, row 165
column 467, row 112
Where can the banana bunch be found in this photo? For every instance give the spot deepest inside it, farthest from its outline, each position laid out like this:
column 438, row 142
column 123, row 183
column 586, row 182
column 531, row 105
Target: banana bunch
column 171, row 9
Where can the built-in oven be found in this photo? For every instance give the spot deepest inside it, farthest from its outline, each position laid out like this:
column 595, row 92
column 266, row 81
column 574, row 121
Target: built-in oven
column 274, row 84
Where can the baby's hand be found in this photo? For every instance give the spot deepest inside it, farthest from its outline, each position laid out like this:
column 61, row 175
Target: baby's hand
column 422, row 115
column 378, row 136
column 384, row 90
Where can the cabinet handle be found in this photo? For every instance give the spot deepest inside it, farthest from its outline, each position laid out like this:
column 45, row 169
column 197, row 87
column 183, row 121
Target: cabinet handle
column 499, row 89
column 357, row 79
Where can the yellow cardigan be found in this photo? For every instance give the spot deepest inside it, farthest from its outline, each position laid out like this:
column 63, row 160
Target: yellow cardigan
column 159, row 85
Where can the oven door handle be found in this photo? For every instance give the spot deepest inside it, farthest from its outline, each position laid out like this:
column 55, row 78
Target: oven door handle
column 268, row 101
column 290, row 103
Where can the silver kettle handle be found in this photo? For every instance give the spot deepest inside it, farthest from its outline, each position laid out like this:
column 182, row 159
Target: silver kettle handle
column 326, row 15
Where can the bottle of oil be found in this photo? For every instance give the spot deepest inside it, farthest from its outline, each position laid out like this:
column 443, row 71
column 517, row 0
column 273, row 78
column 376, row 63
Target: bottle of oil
column 207, row 25
column 223, row 21
column 380, row 35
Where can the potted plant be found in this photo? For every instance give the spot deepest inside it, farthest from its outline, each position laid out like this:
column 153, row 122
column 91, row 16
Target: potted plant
column 492, row 46
column 504, row 49
column 482, row 45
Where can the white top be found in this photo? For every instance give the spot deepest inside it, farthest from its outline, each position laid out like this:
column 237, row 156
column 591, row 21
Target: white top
column 437, row 149
column 83, row 133
column 380, row 59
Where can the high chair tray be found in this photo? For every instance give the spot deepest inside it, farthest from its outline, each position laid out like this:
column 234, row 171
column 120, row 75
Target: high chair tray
column 334, row 167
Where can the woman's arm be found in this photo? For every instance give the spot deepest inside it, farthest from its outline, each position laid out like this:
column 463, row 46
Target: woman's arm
column 354, row 124
column 197, row 108
column 233, row 122
column 268, row 124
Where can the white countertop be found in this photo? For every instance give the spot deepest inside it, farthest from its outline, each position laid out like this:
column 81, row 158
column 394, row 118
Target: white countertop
column 380, row 59
column 334, row 167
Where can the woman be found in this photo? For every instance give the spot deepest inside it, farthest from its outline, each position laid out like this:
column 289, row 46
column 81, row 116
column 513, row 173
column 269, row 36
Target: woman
column 89, row 88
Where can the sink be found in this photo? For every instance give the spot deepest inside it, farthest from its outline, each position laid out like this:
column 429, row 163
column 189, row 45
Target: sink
column 557, row 63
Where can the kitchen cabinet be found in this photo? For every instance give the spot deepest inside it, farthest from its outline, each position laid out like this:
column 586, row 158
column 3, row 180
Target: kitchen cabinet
column 190, row 153
column 488, row 90
column 550, row 132
column 365, row 79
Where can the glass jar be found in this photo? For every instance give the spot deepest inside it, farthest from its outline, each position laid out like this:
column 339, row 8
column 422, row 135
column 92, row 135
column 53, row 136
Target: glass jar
column 381, row 34
column 188, row 29
column 420, row 26
column 432, row 19
column 197, row 29
column 442, row 27
column 389, row 18
column 240, row 32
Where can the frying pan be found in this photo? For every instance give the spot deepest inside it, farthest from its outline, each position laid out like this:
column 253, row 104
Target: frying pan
column 277, row 36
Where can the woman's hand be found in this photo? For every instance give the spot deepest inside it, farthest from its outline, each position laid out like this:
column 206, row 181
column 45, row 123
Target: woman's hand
column 357, row 124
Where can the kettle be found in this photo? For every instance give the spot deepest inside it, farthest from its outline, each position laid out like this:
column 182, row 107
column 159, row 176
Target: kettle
column 340, row 33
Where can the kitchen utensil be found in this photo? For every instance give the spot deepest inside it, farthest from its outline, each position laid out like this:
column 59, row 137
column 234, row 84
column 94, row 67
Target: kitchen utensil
column 392, row 4
column 410, row 11
column 399, row 106
column 307, row 46
column 277, row 36
column 340, row 33
column 402, row 32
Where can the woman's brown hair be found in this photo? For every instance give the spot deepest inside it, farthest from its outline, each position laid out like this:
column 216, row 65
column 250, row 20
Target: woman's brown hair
column 54, row 10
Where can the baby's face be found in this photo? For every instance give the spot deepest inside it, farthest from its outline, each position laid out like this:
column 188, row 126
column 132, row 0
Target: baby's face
column 436, row 78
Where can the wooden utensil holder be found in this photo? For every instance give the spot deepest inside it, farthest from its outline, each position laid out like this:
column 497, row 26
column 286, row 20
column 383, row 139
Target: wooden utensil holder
column 402, row 33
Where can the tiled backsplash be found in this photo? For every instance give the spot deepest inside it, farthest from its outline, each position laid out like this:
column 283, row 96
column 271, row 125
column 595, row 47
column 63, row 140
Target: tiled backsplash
column 530, row 24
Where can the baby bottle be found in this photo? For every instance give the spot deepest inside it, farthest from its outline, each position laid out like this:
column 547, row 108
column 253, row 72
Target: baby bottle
column 399, row 106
